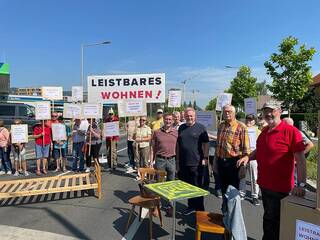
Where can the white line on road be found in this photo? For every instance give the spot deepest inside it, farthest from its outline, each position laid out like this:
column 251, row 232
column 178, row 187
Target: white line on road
column 64, row 173
column 121, row 149
column 135, row 225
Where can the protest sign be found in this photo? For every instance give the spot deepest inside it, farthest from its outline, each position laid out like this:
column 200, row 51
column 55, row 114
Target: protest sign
column 250, row 106
column 208, row 119
column 71, row 110
column 91, row 110
column 305, row 230
column 112, row 88
column 58, row 132
column 19, row 133
column 111, row 129
column 84, row 125
column 52, row 93
column 42, row 111
column 77, row 94
column 174, row 99
column 223, row 99
column 132, row 108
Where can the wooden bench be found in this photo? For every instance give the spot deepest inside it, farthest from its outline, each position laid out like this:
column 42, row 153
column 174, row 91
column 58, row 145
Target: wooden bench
column 54, row 184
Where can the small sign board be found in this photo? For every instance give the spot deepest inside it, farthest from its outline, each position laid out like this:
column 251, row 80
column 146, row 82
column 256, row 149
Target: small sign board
column 222, row 100
column 71, row 110
column 52, row 93
column 250, row 106
column 42, row 110
column 19, row 133
column 59, row 132
column 111, row 129
column 132, row 108
column 305, row 230
column 91, row 110
column 174, row 99
column 208, row 119
column 77, row 93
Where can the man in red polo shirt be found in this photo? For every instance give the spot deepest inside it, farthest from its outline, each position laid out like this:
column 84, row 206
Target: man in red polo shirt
column 278, row 146
column 112, row 142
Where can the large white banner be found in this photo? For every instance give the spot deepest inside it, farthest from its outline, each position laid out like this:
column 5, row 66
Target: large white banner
column 19, row 133
column 71, row 110
column 52, row 93
column 77, row 94
column 174, row 99
column 132, row 108
column 112, row 88
column 43, row 110
column 250, row 106
column 223, row 99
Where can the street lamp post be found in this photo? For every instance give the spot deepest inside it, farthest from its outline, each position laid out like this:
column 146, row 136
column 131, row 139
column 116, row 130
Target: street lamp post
column 88, row 45
column 194, row 91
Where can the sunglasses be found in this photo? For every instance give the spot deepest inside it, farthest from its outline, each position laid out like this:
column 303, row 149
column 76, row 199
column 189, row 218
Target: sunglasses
column 54, row 116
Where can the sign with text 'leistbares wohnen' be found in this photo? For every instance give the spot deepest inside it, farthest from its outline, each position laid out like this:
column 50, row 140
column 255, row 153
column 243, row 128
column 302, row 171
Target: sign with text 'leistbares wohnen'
column 112, row 88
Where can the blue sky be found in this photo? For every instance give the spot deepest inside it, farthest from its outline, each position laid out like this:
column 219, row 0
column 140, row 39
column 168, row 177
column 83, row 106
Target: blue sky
column 187, row 39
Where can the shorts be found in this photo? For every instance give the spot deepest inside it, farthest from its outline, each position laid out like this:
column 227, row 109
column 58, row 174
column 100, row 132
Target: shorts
column 42, row 151
column 56, row 153
column 19, row 156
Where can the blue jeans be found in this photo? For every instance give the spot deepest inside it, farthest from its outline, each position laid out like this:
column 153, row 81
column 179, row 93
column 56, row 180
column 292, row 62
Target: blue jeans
column 5, row 160
column 168, row 165
column 77, row 154
column 131, row 153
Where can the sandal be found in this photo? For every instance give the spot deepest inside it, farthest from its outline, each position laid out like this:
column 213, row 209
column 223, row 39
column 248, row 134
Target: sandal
column 38, row 173
column 44, row 171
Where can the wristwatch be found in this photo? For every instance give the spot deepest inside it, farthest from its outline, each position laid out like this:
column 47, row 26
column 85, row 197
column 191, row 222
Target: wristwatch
column 302, row 185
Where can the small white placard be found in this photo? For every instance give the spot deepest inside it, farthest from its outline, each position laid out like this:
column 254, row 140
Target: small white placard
column 43, row 111
column 19, row 133
column 77, row 93
column 223, row 99
column 174, row 98
column 305, row 230
column 59, row 132
column 84, row 125
column 71, row 110
column 250, row 106
column 132, row 108
column 52, row 93
column 91, row 110
column 111, row 129
column 208, row 119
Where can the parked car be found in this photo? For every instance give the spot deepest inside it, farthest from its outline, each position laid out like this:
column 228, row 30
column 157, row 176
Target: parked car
column 11, row 111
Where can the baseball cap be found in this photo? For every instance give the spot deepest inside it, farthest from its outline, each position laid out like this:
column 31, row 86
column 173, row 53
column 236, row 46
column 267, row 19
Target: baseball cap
column 272, row 104
column 110, row 111
column 159, row 110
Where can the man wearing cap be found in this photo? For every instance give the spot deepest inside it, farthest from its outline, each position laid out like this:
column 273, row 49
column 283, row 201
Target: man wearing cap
column 112, row 142
column 278, row 146
column 157, row 124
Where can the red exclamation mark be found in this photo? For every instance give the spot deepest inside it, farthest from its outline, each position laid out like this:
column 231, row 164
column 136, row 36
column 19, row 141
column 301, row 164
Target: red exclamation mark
column 158, row 94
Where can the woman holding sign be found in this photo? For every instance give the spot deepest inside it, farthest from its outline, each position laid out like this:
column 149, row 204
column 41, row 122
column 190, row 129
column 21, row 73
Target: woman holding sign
column 5, row 150
column 42, row 135
column 94, row 139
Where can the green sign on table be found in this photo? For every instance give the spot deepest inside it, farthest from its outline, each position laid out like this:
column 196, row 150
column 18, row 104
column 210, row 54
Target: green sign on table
column 176, row 190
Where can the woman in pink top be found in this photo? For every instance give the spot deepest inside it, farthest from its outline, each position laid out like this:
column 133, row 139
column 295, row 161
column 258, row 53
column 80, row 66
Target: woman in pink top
column 5, row 150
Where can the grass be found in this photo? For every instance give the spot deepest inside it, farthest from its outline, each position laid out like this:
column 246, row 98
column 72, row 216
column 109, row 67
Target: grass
column 312, row 163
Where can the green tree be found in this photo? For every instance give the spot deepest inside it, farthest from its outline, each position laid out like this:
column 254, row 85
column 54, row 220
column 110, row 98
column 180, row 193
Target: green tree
column 242, row 86
column 262, row 88
column 212, row 105
column 290, row 71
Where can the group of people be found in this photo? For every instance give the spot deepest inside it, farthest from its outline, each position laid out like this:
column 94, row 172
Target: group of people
column 272, row 152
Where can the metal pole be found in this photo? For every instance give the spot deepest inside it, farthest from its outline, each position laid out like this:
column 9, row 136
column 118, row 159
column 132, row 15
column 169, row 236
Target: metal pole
column 81, row 71
column 173, row 237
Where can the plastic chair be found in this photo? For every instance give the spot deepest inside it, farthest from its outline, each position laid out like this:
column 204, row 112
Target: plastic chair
column 210, row 223
column 151, row 203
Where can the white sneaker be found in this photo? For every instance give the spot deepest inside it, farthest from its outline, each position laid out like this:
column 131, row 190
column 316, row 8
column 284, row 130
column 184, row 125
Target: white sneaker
column 87, row 170
column 129, row 170
column 9, row 173
column 2, row 172
column 26, row 173
column 16, row 174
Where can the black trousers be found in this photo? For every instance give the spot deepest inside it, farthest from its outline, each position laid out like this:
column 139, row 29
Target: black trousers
column 228, row 173
column 194, row 176
column 271, row 217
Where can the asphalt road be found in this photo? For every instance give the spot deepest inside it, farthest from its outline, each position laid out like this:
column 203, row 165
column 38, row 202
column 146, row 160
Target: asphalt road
column 82, row 216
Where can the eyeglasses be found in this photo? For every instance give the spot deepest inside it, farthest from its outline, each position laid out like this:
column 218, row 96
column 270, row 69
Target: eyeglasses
column 54, row 116
column 143, row 120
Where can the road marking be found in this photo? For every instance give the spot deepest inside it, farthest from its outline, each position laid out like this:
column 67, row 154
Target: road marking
column 64, row 173
column 135, row 225
column 121, row 149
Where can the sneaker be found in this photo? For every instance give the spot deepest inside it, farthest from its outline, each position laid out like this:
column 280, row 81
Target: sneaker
column 169, row 211
column 57, row 170
column 16, row 174
column 130, row 170
column 26, row 174
column 9, row 173
column 188, row 211
column 87, row 170
column 255, row 201
column 64, row 169
column 241, row 197
column 2, row 172
column 127, row 165
column 218, row 193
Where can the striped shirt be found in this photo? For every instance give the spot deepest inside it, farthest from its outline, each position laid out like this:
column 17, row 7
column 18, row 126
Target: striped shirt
column 233, row 140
